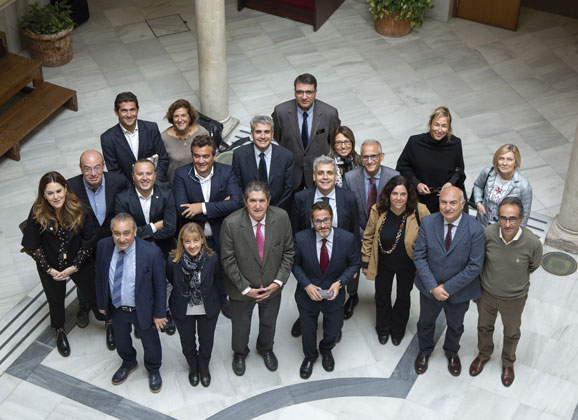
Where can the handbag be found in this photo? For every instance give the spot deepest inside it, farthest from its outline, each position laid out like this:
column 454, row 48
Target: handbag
column 214, row 127
column 472, row 200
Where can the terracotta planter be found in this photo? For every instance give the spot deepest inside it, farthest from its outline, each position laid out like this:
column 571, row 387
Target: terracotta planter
column 388, row 26
column 52, row 50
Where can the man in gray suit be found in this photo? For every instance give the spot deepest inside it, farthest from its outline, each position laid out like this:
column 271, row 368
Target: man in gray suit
column 257, row 257
column 449, row 255
column 366, row 182
column 304, row 125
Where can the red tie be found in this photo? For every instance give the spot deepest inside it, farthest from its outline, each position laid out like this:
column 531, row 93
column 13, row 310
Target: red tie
column 371, row 195
column 449, row 236
column 260, row 241
column 324, row 257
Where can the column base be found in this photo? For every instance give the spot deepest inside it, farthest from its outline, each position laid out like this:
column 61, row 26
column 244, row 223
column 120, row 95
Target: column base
column 561, row 238
column 229, row 125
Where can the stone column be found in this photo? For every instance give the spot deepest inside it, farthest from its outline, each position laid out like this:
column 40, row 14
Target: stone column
column 212, row 49
column 563, row 233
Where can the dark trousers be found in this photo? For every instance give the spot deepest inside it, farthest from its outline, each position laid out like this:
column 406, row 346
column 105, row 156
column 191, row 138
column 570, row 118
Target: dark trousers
column 428, row 314
column 55, row 292
column 241, row 313
column 188, row 328
column 219, row 280
column 394, row 319
column 332, row 323
column 353, row 284
column 122, row 323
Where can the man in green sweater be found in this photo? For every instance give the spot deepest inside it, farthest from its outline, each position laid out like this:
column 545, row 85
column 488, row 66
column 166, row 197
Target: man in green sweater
column 512, row 253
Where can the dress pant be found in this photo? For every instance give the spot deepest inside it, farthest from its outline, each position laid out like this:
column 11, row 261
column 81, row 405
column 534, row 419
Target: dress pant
column 241, row 313
column 428, row 314
column 511, row 312
column 388, row 318
column 122, row 323
column 332, row 323
column 219, row 280
column 353, row 284
column 188, row 327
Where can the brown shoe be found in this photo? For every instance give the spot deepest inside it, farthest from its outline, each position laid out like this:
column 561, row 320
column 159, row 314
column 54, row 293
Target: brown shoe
column 507, row 375
column 477, row 366
column 420, row 364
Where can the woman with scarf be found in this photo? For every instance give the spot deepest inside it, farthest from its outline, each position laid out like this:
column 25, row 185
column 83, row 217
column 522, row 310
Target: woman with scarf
column 342, row 149
column 194, row 302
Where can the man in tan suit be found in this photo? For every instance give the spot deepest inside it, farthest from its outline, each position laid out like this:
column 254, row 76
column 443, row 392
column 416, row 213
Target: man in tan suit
column 257, row 256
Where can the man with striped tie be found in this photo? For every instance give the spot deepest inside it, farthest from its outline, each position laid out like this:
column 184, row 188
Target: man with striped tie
column 130, row 275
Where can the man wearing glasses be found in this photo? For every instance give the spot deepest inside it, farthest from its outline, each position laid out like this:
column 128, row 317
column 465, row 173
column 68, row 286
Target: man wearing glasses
column 366, row 182
column 304, row 125
column 512, row 253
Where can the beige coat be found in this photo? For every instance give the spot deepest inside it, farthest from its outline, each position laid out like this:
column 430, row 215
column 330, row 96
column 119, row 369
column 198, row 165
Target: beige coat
column 370, row 246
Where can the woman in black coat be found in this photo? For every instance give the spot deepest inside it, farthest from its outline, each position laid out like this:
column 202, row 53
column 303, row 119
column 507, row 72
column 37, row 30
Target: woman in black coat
column 61, row 237
column 434, row 160
column 194, row 300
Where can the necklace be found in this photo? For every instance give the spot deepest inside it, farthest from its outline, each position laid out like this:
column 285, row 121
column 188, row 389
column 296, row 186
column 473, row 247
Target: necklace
column 397, row 237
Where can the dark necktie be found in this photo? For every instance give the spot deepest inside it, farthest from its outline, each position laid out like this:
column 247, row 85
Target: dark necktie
column 305, row 131
column 262, row 168
column 325, row 199
column 449, row 236
column 371, row 195
column 324, row 257
column 117, row 282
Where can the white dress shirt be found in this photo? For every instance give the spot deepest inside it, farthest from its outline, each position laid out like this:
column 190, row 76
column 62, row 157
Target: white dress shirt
column 328, row 244
column 132, row 139
column 206, row 189
column 268, row 154
column 145, row 204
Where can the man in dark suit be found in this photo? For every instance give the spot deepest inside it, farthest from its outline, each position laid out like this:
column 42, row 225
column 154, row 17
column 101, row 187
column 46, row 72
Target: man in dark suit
column 263, row 161
column 342, row 202
column 257, row 255
column 131, row 289
column 97, row 190
column 326, row 258
column 206, row 192
column 449, row 255
column 366, row 182
column 304, row 125
column 132, row 139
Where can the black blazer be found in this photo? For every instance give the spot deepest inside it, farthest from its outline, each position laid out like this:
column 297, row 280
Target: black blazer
column 280, row 173
column 347, row 214
column 118, row 154
column 113, row 184
column 178, row 303
column 162, row 208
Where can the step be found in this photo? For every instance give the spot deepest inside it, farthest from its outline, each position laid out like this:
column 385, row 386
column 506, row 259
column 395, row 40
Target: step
column 16, row 72
column 24, row 116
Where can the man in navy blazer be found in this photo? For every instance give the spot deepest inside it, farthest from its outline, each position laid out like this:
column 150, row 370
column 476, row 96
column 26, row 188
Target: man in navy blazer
column 449, row 256
column 266, row 162
column 131, row 289
column 326, row 258
column 132, row 139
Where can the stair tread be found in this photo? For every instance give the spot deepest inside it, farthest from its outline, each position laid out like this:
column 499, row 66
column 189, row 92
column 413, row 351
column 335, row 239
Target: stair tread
column 16, row 72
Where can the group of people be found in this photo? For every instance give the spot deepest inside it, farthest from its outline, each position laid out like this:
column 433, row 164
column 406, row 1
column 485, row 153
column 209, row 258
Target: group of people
column 168, row 238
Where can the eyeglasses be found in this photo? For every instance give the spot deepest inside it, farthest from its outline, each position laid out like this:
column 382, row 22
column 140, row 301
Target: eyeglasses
column 88, row 169
column 319, row 222
column 367, row 158
column 343, row 143
column 505, row 220
column 304, row 92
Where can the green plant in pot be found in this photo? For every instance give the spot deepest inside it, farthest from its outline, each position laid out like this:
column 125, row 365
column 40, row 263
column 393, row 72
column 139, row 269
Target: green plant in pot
column 47, row 29
column 398, row 17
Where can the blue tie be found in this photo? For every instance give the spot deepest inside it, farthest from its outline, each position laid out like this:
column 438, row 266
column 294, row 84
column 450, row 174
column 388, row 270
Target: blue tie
column 117, row 284
column 305, row 131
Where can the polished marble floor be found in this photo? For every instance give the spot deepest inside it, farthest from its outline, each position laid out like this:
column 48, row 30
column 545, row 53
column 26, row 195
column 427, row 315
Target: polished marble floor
column 502, row 86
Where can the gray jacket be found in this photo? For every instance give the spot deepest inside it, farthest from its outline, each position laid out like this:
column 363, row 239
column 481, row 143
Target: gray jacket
column 519, row 187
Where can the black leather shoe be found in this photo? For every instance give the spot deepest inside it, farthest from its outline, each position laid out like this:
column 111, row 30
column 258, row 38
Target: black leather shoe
column 383, row 338
column 296, row 328
column 420, row 364
column 170, row 326
column 62, row 343
column 327, row 361
column 193, row 376
column 306, row 368
column 239, row 365
column 82, row 318
column 205, row 377
column 155, row 382
column 122, row 373
column 454, row 364
column 349, row 305
column 270, row 360
column 109, row 336
column 395, row 341
column 226, row 309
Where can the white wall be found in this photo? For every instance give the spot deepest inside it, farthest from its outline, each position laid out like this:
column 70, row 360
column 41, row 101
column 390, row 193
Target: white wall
column 441, row 11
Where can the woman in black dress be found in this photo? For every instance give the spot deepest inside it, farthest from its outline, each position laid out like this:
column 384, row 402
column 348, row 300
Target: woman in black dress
column 61, row 237
column 342, row 149
column 434, row 160
column 194, row 301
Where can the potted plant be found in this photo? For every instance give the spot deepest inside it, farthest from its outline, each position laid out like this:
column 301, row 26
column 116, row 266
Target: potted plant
column 47, row 29
column 398, row 17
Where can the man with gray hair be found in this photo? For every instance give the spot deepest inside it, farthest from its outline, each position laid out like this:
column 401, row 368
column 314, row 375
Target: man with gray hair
column 266, row 162
column 366, row 182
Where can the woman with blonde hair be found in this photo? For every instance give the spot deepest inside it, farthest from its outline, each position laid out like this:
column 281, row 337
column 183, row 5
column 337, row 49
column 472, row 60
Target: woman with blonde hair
column 61, row 237
column 192, row 270
column 499, row 181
